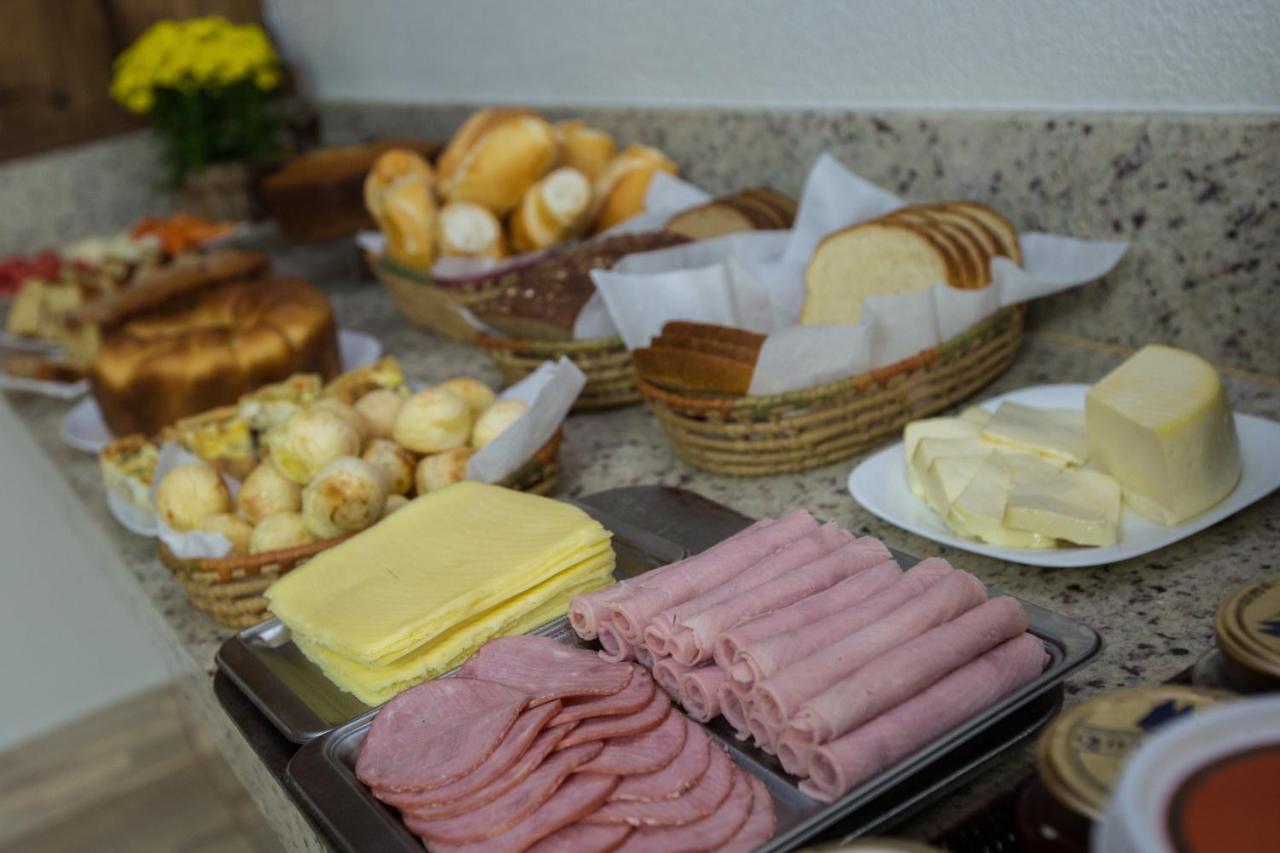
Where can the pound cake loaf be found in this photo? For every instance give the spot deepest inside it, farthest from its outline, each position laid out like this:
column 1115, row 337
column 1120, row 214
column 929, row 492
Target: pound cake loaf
column 207, row 349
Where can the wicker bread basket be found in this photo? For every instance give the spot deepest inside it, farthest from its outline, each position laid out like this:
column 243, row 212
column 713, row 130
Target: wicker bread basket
column 611, row 376
column 232, row 589
column 798, row 430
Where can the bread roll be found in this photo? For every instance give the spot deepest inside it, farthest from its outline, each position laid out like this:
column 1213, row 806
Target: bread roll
column 282, row 530
column 431, row 421
column 621, row 188
column 505, row 155
column 470, row 230
column 409, row 222
column 552, row 210
column 584, row 148
column 443, row 469
column 495, row 421
column 187, row 494
column 236, row 529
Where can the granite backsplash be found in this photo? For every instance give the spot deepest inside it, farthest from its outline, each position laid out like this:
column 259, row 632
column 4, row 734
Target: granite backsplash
column 1198, row 196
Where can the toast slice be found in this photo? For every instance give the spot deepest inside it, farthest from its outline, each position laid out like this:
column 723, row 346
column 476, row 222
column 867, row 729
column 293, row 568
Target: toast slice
column 871, row 259
column 1002, row 227
column 728, row 334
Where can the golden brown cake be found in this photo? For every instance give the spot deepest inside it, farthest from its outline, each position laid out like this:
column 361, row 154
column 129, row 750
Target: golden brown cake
column 206, row 350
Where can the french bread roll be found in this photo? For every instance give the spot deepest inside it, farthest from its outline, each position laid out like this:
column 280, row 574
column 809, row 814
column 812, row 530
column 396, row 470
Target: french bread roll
column 469, row 230
column 507, row 154
column 409, row 211
column 870, row 259
column 621, row 188
column 552, row 210
column 390, row 167
column 465, row 137
column 584, row 148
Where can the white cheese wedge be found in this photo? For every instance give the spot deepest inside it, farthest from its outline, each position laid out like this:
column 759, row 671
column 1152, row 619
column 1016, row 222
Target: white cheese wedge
column 932, row 449
column 917, row 431
column 976, row 414
column 978, row 511
column 947, row 477
column 1056, row 435
column 1078, row 506
column 1160, row 424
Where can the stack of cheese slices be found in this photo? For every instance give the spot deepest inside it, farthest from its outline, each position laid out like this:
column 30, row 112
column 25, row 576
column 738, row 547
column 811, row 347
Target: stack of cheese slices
column 414, row 596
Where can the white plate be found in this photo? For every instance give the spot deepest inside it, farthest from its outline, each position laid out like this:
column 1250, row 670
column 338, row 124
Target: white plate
column 880, row 485
column 83, row 428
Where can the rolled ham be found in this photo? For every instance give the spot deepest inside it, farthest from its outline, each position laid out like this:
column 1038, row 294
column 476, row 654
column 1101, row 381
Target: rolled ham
column 846, row 762
column 734, row 708
column 696, row 641
column 780, row 696
column 695, row 575
column 613, row 647
column 902, row 672
column 762, row 659
column 700, row 689
column 668, row 672
column 842, row 596
column 804, row 550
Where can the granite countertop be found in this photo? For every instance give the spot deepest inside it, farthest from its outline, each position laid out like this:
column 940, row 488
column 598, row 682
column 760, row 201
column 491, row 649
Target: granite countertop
column 1154, row 612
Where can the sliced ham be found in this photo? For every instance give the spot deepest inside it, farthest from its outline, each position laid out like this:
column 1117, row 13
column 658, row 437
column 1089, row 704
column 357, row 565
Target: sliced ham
column 681, row 774
column 781, row 695
column 644, row 657
column 807, row 611
column 622, row 725
column 613, row 648
column 701, row 691
column 707, row 834
column 847, row 762
column 695, row 575
column 642, row 753
column 468, row 719
column 628, row 700
column 530, row 737
column 583, row 838
column 580, row 795
column 504, row 812
column 694, row 804
column 761, row 733
column 545, row 669
column 589, row 610
column 802, row 551
column 668, row 672
column 734, row 707
column 763, row 658
column 760, row 823
column 902, row 672
column 694, row 640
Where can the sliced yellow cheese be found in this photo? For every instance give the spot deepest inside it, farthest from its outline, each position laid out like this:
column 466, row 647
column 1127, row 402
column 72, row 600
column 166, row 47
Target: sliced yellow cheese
column 1078, row 506
column 931, row 428
column 947, row 477
column 978, row 511
column 976, row 414
column 1160, row 424
column 430, row 566
column 1056, row 435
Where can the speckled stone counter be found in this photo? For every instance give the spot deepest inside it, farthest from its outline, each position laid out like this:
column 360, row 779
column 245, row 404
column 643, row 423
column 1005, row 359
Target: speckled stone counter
column 1154, row 612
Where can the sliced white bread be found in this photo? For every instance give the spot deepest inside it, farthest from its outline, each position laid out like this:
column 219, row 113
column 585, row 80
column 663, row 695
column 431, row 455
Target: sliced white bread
column 963, row 249
column 1002, row 227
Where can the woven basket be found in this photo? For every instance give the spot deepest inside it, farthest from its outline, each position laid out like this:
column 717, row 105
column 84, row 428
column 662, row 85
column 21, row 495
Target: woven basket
column 431, row 305
column 784, row 433
column 611, row 376
column 233, row 589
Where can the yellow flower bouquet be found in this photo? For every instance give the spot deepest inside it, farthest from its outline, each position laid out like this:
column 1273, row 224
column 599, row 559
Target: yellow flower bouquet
column 205, row 83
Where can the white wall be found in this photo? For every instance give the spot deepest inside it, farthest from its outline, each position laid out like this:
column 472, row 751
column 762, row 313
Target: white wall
column 69, row 641
column 1192, row 55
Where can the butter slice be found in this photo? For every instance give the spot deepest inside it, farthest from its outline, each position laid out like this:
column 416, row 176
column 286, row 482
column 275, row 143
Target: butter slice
column 1078, row 506
column 1055, row 435
column 947, row 477
column 1160, row 424
column 977, row 415
column 978, row 511
column 939, row 428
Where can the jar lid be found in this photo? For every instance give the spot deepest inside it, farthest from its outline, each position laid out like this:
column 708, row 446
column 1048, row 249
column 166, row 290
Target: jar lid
column 1247, row 626
column 1080, row 754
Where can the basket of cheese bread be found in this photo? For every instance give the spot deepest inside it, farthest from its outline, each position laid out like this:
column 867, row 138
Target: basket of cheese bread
column 245, row 493
column 697, row 377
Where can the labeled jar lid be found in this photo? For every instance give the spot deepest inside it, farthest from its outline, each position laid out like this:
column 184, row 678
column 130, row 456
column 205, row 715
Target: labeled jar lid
column 1080, row 754
column 1247, row 626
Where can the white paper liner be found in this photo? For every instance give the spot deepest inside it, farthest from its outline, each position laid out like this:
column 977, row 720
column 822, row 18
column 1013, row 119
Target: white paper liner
column 729, row 281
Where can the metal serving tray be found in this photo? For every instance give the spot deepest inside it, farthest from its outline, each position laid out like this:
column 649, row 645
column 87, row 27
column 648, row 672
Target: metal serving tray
column 322, row 772
column 303, row 704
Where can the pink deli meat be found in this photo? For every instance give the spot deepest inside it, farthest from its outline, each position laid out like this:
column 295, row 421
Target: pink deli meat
column 766, row 657
column 613, row 648
column 681, row 774
column 707, row 834
column 904, row 671
column 802, row 551
column 668, row 672
column 545, row 669
column 529, row 728
column 583, row 838
column 467, row 719
column 505, row 811
column 760, row 822
column 696, row 641
column 779, row 697
column 623, row 725
column 701, row 691
column 642, row 753
column 807, row 611
column 694, row 804
column 847, row 762
column 628, row 700
column 695, row 575
column 735, row 707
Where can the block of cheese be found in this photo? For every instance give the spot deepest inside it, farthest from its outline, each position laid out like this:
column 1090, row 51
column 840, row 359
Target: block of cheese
column 1160, row 424
column 978, row 511
column 432, row 566
column 1077, row 506
column 1056, row 435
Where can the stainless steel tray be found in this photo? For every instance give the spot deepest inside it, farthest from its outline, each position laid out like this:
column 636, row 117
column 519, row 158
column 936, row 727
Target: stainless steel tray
column 303, row 704
column 322, row 772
